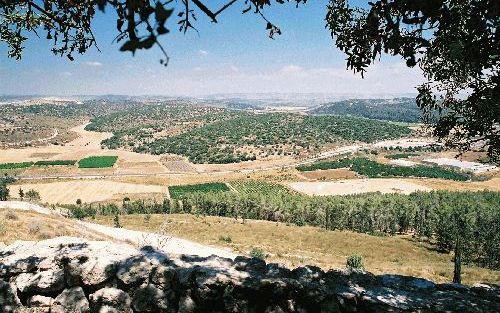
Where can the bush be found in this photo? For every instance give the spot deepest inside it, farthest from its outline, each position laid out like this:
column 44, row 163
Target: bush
column 33, row 195
column 226, row 239
column 11, row 215
column 257, row 253
column 355, row 262
column 116, row 221
column 34, row 227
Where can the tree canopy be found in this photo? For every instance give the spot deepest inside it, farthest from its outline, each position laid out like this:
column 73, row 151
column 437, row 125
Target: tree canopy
column 454, row 42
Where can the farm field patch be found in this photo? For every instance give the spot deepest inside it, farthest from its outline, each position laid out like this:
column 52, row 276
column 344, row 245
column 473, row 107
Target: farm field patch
column 67, row 192
column 55, row 162
column 181, row 191
column 9, row 166
column 97, row 162
column 357, row 186
column 249, row 187
column 332, row 174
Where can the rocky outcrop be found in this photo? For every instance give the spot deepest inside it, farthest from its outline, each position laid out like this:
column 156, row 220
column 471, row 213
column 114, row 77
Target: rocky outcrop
column 72, row 275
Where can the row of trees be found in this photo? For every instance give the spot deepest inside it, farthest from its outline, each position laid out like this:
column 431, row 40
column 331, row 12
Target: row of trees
column 455, row 221
column 374, row 169
column 398, row 110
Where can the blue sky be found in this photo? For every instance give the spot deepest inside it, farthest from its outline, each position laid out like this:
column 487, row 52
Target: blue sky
column 232, row 56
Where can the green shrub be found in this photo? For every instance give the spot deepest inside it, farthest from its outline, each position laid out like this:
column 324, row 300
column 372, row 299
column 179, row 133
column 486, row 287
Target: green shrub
column 257, row 253
column 116, row 221
column 226, row 239
column 33, row 195
column 11, row 215
column 355, row 262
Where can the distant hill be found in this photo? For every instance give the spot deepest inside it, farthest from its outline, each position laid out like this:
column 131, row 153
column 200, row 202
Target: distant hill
column 397, row 110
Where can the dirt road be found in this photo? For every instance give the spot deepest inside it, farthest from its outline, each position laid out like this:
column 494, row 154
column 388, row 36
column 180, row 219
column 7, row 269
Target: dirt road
column 165, row 243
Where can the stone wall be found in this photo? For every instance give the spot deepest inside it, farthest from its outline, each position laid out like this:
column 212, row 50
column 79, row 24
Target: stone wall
column 72, row 275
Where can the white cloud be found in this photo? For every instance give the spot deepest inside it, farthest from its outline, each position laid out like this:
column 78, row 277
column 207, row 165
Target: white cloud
column 93, row 63
column 235, row 69
column 203, row 52
column 67, row 74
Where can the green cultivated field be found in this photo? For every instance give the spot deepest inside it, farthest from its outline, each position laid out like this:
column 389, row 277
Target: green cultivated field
column 259, row 187
column 9, row 166
column 182, row 191
column 374, row 169
column 97, row 162
column 55, row 162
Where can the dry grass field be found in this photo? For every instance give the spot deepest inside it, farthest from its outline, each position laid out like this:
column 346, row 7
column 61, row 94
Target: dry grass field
column 67, row 192
column 294, row 246
column 29, row 225
column 356, row 186
column 332, row 174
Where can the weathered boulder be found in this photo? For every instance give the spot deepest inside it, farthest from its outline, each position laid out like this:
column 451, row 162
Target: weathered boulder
column 110, row 300
column 40, row 303
column 9, row 302
column 73, row 275
column 150, row 298
column 71, row 300
column 42, row 282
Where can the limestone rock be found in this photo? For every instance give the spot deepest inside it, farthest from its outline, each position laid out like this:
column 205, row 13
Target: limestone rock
column 40, row 304
column 42, row 282
column 9, row 302
column 149, row 298
column 71, row 300
column 110, row 300
column 121, row 278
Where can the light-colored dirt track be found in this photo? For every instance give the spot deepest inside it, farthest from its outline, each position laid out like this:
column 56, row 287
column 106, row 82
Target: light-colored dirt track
column 67, row 192
column 356, row 186
column 162, row 242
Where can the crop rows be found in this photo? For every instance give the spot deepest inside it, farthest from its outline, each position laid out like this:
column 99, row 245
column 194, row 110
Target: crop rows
column 97, row 162
column 177, row 192
column 55, row 162
column 259, row 187
column 9, row 166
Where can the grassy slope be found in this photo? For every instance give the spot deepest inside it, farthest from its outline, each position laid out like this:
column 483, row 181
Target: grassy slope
column 295, row 246
column 27, row 225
